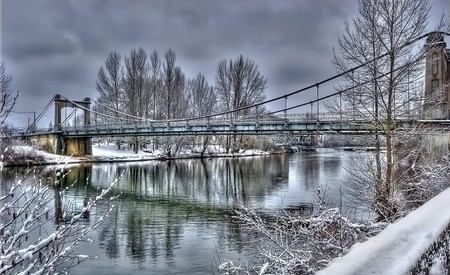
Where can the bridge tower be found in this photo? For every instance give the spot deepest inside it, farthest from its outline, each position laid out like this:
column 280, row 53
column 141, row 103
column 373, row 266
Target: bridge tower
column 437, row 96
column 79, row 146
column 437, row 78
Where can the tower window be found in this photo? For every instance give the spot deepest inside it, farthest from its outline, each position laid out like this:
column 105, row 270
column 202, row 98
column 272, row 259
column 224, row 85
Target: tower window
column 434, row 63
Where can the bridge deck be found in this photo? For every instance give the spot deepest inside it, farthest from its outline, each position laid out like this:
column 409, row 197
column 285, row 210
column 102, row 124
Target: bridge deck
column 222, row 128
column 243, row 127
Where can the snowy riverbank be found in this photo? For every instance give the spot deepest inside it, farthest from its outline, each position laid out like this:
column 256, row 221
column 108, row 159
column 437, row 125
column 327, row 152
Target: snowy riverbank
column 25, row 155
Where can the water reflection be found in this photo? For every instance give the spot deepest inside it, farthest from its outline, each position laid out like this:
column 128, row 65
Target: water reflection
column 219, row 182
column 175, row 217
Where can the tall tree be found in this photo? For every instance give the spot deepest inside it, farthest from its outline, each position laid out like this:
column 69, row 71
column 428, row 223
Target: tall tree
column 179, row 97
column 169, row 81
column 378, row 41
column 136, row 77
column 202, row 101
column 155, row 85
column 7, row 97
column 174, row 83
column 175, row 98
column 110, row 84
column 202, row 98
column 136, row 74
column 239, row 83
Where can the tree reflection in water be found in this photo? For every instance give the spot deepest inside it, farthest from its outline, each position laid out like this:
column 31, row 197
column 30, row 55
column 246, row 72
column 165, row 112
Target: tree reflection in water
column 161, row 202
column 176, row 215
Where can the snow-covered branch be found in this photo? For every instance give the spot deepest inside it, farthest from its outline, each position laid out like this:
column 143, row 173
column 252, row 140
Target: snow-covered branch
column 38, row 233
column 291, row 244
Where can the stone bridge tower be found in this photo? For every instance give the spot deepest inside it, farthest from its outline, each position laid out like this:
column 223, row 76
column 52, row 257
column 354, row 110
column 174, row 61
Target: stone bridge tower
column 437, row 78
column 71, row 146
column 437, row 96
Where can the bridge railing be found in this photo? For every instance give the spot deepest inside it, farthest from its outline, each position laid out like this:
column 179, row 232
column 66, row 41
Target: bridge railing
column 246, row 119
column 417, row 244
column 328, row 116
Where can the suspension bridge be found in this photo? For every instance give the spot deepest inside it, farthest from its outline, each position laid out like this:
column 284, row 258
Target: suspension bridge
column 103, row 121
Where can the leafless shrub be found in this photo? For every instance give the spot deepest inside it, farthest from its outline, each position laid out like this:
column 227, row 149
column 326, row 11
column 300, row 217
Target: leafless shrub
column 291, row 244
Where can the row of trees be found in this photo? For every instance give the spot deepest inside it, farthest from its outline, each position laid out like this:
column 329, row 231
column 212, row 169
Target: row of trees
column 152, row 87
column 155, row 88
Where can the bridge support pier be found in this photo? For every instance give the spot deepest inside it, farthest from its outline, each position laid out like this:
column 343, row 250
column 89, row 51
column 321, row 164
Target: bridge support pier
column 78, row 146
column 57, row 144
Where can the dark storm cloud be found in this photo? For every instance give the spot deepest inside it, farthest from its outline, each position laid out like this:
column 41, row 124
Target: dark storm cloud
column 57, row 46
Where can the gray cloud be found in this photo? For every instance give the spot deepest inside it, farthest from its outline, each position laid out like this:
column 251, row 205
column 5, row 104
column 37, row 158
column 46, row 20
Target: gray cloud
column 52, row 46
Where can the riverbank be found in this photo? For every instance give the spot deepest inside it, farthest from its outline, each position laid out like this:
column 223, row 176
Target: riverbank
column 24, row 155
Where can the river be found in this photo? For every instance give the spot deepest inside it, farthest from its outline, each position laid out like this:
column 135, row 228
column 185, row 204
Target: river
column 175, row 217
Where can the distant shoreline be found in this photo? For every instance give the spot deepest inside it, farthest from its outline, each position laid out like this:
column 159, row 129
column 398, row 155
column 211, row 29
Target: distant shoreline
column 39, row 158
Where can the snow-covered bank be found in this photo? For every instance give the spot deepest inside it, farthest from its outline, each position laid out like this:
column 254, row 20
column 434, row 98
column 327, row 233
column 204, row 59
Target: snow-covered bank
column 400, row 246
column 25, row 155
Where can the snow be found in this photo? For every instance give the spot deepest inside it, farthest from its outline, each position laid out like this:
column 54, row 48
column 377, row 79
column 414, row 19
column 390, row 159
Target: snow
column 108, row 153
column 398, row 247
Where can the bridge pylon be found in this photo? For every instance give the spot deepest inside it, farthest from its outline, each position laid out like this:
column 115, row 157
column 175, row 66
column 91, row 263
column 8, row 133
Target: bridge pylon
column 77, row 146
column 61, row 103
column 437, row 77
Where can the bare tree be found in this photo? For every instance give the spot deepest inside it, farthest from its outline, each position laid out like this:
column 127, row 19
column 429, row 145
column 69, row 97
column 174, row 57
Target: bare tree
column 136, row 77
column 202, row 98
column 239, row 84
column 202, row 101
column 7, row 97
column 175, row 99
column 136, row 73
column 155, row 83
column 378, row 42
column 179, row 106
column 110, row 84
column 169, row 81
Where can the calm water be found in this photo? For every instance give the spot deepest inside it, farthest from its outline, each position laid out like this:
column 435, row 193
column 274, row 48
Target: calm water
column 175, row 217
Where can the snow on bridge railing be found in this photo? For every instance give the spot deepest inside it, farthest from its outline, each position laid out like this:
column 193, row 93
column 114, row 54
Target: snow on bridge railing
column 416, row 244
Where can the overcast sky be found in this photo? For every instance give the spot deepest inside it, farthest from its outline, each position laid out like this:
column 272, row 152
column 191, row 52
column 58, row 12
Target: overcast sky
column 57, row 46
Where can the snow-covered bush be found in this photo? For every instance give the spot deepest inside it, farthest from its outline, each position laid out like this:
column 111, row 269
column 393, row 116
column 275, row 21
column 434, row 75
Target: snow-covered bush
column 290, row 244
column 18, row 153
column 38, row 233
column 430, row 179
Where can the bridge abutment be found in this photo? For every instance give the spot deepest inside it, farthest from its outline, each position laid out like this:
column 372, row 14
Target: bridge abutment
column 57, row 144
